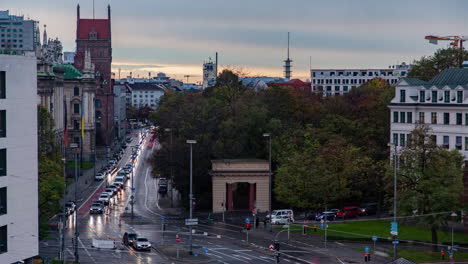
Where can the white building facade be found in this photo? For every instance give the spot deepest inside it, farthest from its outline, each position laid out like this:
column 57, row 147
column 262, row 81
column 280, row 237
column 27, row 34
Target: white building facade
column 146, row 94
column 18, row 159
column 340, row 81
column 209, row 74
column 442, row 103
column 120, row 107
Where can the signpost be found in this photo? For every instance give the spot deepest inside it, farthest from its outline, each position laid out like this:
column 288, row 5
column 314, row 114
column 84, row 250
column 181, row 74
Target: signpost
column 394, row 228
column 191, row 221
column 271, row 247
column 374, row 238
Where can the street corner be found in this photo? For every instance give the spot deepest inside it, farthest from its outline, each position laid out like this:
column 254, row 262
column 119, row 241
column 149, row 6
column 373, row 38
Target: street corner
column 180, row 254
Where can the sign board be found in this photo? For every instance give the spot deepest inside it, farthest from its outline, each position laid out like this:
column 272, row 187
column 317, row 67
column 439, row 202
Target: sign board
column 395, row 242
column 190, row 222
column 374, row 238
column 394, row 228
column 322, row 225
column 247, row 220
column 163, row 218
column 177, row 239
column 394, row 233
column 366, row 249
column 271, row 247
column 205, row 250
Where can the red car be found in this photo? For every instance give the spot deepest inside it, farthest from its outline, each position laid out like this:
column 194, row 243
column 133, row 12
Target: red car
column 348, row 212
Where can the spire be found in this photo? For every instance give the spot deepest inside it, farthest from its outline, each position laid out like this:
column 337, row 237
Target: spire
column 44, row 38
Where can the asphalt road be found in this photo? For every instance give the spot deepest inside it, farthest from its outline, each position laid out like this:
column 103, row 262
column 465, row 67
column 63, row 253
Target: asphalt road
column 221, row 242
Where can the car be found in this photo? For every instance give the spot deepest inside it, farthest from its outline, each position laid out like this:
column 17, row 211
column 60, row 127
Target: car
column 287, row 212
column 328, row 215
column 96, row 208
column 105, row 197
column 335, row 210
column 114, row 188
column 112, row 162
column 129, row 140
column 128, row 238
column 368, row 208
column 162, row 189
column 99, row 176
column 121, row 178
column 348, row 212
column 110, row 191
column 70, row 207
column 128, row 170
column 124, row 146
column 122, row 173
column 119, row 182
column 141, row 243
column 100, row 202
column 280, row 219
column 162, row 182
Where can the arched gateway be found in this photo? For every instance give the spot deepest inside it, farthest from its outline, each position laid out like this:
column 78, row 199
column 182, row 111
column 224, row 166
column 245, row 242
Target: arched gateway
column 240, row 185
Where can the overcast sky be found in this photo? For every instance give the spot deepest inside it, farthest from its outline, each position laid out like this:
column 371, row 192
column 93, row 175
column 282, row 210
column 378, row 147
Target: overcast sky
column 176, row 36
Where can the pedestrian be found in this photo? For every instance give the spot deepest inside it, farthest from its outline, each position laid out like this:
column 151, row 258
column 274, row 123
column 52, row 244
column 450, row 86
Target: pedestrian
column 264, row 222
column 257, row 221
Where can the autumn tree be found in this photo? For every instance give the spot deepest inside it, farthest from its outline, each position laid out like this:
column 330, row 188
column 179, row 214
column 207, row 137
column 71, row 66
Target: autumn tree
column 429, row 66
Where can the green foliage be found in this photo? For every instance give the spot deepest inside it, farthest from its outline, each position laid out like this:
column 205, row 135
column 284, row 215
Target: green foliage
column 429, row 180
column 429, row 66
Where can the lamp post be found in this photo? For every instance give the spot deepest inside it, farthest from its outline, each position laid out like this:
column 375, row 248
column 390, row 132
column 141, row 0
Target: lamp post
column 75, row 218
column 172, row 169
column 453, row 215
column 395, row 168
column 191, row 142
column 268, row 135
column 133, row 168
column 62, row 220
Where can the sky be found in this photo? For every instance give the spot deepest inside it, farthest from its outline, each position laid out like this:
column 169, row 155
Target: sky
column 177, row 36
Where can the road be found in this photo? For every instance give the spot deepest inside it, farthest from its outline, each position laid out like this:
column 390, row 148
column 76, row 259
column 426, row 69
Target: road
column 221, row 242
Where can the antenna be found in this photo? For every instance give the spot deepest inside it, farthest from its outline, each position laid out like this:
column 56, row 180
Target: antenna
column 187, row 76
column 310, row 62
column 93, row 9
column 287, row 65
column 288, row 45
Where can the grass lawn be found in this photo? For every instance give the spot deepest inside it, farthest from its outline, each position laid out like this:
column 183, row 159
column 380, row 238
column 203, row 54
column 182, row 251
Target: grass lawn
column 86, row 165
column 364, row 230
column 428, row 256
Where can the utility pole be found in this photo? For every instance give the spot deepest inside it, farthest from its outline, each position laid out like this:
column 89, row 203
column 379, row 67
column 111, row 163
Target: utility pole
column 132, row 192
column 62, row 219
column 268, row 135
column 191, row 142
column 77, row 257
column 172, row 168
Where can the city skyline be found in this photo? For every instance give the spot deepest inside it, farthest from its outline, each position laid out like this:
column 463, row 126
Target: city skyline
column 150, row 36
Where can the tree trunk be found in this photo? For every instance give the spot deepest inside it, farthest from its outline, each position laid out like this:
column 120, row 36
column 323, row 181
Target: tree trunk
column 435, row 248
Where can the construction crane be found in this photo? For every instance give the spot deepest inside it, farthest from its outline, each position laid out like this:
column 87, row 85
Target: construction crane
column 456, row 41
column 187, row 76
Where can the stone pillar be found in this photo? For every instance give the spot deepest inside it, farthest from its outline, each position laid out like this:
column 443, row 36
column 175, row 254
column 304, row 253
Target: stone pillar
column 251, row 196
column 229, row 201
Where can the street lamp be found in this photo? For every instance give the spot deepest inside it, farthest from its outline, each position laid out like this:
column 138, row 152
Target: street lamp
column 132, row 191
column 75, row 218
column 268, row 135
column 191, row 142
column 453, row 215
column 395, row 167
column 172, row 169
column 62, row 219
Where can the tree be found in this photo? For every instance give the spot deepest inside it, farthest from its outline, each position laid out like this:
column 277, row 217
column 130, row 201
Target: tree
column 429, row 66
column 429, row 181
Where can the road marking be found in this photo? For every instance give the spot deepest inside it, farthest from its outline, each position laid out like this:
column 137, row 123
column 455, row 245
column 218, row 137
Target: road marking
column 146, row 195
column 239, row 256
column 230, row 256
column 86, row 250
column 243, row 250
column 157, row 194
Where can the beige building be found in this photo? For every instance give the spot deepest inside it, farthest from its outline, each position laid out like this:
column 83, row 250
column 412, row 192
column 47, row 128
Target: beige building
column 240, row 185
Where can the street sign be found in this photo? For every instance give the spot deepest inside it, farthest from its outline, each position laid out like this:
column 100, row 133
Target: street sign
column 271, row 247
column 177, row 239
column 247, row 220
column 366, row 249
column 205, row 250
column 322, row 225
column 395, row 242
column 394, row 228
column 190, row 222
column 163, row 218
column 374, row 238
column 133, row 189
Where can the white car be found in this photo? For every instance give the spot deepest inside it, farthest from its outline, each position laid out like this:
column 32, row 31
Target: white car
column 141, row 243
column 281, row 220
column 99, row 176
column 109, row 191
column 105, row 197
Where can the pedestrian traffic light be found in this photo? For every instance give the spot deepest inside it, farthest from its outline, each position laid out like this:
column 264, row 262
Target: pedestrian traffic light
column 442, row 254
column 247, row 226
column 304, row 229
column 366, row 257
column 315, row 228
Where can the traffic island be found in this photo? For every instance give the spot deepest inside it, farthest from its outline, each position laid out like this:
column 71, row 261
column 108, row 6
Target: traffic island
column 170, row 251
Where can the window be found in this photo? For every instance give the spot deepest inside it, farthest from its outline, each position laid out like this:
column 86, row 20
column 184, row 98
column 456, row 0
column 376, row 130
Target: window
column 446, row 96
column 466, row 119
column 2, row 85
column 446, row 118
column 76, row 108
column 2, row 123
column 434, row 96
column 422, row 96
column 458, row 143
column 3, row 201
column 97, row 103
column 402, row 140
column 98, row 115
column 76, row 91
column 328, row 88
column 433, row 118
column 402, row 117
column 459, row 118
column 408, row 140
column 337, row 88
column 459, row 97
column 3, row 239
column 446, row 142
column 466, row 143
column 421, row 117
column 433, row 139
column 76, row 125
column 402, row 96
column 3, row 162
column 345, row 88
column 395, row 117
column 409, row 117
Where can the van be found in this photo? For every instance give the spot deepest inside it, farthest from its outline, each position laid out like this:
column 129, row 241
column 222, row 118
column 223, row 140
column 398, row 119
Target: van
column 283, row 212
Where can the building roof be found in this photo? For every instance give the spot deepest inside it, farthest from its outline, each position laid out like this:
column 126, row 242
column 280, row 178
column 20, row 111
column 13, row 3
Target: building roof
column 414, row 81
column 295, row 83
column 70, row 71
column 146, row 86
column 451, row 77
column 101, row 26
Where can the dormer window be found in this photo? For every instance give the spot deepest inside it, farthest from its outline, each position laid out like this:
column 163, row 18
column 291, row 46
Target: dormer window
column 93, row 34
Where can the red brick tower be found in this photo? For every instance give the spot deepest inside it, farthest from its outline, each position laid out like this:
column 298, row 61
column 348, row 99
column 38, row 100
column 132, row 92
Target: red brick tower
column 95, row 35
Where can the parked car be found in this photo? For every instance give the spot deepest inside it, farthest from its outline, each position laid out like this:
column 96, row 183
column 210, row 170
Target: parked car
column 100, row 202
column 114, row 188
column 109, row 191
column 141, row 243
column 329, row 216
column 128, row 238
column 96, row 208
column 105, row 197
column 162, row 189
column 348, row 212
column 112, row 162
column 368, row 209
column 119, row 182
column 99, row 176
column 129, row 140
column 70, row 207
column 162, row 182
column 281, row 212
column 280, row 220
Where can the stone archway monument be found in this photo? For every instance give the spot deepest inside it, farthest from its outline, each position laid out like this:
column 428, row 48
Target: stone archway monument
column 240, row 185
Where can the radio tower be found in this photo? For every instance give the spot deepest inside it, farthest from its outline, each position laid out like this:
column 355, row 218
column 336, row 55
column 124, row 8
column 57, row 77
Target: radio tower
column 287, row 65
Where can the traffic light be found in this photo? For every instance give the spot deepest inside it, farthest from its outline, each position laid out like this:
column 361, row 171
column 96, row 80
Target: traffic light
column 277, row 246
column 366, row 257
column 304, row 229
column 247, row 226
column 442, row 254
column 315, row 228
